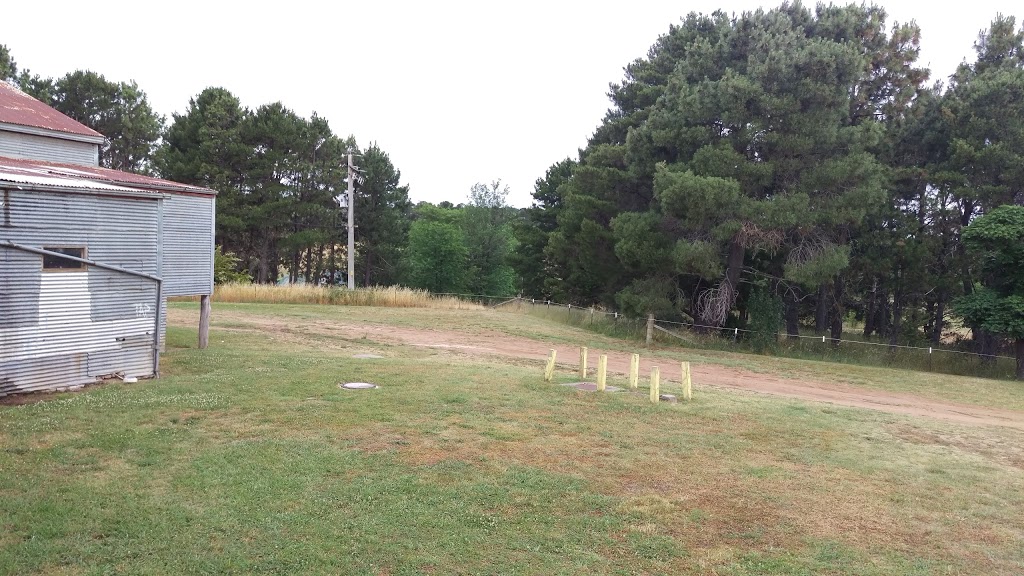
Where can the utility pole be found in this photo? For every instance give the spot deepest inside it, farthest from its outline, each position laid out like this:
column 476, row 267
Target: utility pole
column 351, row 226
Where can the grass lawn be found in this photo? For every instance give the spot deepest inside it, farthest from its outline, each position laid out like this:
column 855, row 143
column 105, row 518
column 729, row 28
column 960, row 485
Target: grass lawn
column 247, row 458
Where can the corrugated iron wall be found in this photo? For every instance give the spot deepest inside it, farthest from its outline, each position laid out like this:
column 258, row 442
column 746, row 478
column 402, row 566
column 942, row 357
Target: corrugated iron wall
column 18, row 145
column 186, row 249
column 67, row 328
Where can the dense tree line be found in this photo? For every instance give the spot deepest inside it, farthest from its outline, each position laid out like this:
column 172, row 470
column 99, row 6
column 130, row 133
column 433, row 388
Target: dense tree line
column 787, row 162
column 465, row 248
column 279, row 176
column 796, row 155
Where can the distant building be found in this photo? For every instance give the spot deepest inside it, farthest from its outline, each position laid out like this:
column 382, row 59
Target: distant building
column 88, row 256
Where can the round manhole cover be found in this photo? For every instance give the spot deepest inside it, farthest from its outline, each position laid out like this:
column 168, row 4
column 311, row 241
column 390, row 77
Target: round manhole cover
column 357, row 386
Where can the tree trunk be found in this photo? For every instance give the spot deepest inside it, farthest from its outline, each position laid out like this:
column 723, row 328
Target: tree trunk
column 821, row 312
column 986, row 343
column 938, row 324
column 334, row 264
column 263, row 267
column 869, row 313
column 882, row 321
column 1018, row 347
column 897, row 316
column 309, row 265
column 792, row 315
column 735, row 265
column 838, row 310
column 368, row 269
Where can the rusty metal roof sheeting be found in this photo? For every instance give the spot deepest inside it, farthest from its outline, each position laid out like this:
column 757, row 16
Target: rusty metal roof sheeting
column 17, row 107
column 41, row 173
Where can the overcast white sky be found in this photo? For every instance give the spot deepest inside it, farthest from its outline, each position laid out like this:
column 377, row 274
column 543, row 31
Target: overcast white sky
column 456, row 93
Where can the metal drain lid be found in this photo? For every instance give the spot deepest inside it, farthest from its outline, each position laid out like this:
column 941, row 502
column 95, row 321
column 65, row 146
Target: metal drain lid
column 357, row 386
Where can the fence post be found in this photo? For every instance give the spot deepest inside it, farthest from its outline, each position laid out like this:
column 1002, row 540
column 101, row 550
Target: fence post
column 650, row 329
column 929, row 358
column 583, row 362
column 735, row 333
column 687, row 385
column 602, row 372
column 655, row 384
column 634, row 371
column 549, row 370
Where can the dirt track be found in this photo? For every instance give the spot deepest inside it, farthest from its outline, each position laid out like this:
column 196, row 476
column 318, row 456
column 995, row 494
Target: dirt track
column 496, row 343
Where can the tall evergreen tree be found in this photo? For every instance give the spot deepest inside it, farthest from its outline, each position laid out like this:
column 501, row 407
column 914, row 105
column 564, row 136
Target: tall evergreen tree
column 532, row 229
column 383, row 210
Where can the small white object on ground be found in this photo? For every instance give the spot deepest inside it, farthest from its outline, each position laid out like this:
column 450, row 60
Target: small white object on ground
column 357, row 386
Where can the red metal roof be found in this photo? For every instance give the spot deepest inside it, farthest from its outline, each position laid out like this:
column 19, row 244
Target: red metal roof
column 19, row 108
column 25, row 171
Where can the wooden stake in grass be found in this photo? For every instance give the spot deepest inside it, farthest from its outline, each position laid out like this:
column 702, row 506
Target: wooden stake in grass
column 583, row 362
column 634, row 371
column 602, row 372
column 549, row 370
column 685, row 379
column 655, row 384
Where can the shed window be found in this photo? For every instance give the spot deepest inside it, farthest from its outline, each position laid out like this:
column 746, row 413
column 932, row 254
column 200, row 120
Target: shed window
column 58, row 263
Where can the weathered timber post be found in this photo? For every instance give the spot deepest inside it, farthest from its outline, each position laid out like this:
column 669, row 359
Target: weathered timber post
column 655, row 384
column 602, row 372
column 549, row 370
column 634, row 371
column 687, row 384
column 650, row 330
column 204, row 321
column 583, row 362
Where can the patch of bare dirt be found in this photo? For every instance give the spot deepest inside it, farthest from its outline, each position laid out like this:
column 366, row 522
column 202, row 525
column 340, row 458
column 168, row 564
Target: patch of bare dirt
column 489, row 342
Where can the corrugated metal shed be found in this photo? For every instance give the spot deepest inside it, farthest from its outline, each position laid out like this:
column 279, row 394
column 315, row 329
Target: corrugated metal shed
column 187, row 214
column 13, row 168
column 186, row 247
column 20, row 145
column 20, row 109
column 68, row 328
column 65, row 326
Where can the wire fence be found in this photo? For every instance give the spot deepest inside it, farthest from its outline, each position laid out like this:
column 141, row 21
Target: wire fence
column 930, row 358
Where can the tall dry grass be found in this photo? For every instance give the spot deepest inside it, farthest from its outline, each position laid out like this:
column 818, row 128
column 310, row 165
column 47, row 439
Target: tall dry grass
column 389, row 296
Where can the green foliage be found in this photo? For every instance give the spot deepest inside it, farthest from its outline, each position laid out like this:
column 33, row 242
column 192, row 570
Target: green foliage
column 437, row 256
column 533, row 227
column 118, row 110
column 986, row 308
column 697, row 257
column 734, row 139
column 225, row 268
column 647, row 296
column 383, row 209
column 765, row 311
column 639, row 243
column 487, row 229
column 821, row 264
column 997, row 241
column 8, row 67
